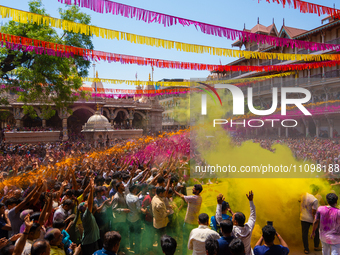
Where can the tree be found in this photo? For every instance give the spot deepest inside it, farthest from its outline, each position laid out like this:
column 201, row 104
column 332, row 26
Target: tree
column 52, row 81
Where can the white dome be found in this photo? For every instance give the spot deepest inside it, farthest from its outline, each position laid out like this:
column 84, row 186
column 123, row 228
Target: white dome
column 97, row 122
column 97, row 119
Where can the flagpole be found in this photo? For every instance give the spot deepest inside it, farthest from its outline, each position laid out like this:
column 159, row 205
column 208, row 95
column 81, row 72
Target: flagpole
column 95, row 85
column 152, row 73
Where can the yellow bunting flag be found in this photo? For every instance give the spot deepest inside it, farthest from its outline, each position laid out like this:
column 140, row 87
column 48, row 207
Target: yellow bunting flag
column 183, row 83
column 252, row 78
column 27, row 17
column 136, row 83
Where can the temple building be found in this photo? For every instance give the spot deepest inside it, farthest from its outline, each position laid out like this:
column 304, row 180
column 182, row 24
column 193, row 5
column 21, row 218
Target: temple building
column 323, row 82
column 122, row 114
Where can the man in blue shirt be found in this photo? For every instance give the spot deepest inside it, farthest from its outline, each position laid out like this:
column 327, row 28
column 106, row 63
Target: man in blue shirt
column 224, row 241
column 269, row 248
column 110, row 244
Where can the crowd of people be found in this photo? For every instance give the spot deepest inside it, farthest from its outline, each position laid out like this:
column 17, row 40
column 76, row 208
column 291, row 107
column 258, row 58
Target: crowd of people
column 320, row 151
column 69, row 198
column 29, row 129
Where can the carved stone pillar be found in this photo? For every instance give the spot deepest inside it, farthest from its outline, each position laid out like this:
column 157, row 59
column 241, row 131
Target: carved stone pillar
column 18, row 115
column 112, row 115
column 131, row 112
column 64, row 116
column 18, row 123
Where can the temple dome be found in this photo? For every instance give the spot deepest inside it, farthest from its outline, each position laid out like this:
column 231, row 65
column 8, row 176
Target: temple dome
column 97, row 118
column 97, row 122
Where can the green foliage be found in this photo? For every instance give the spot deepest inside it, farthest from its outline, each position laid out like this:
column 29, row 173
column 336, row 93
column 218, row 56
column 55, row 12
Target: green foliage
column 4, row 115
column 29, row 109
column 49, row 80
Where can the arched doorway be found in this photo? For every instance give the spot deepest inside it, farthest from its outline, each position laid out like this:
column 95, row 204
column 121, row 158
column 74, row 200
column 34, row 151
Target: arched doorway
column 311, row 128
column 54, row 122
column 30, row 122
column 76, row 121
column 138, row 121
column 6, row 118
column 121, row 121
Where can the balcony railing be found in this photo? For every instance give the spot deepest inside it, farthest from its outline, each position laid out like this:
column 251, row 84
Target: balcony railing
column 254, row 47
column 303, row 51
column 265, row 88
column 316, row 76
column 266, row 63
column 277, row 85
column 276, row 61
column 333, row 74
column 301, row 81
column 289, row 83
column 334, row 41
column 235, row 74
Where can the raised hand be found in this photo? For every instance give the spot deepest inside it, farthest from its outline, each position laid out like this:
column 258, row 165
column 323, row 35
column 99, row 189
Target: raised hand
column 250, row 196
column 64, row 184
column 220, row 199
column 28, row 223
column 77, row 250
column 15, row 237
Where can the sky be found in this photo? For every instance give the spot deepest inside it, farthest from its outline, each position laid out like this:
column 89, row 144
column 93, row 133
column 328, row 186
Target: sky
column 227, row 13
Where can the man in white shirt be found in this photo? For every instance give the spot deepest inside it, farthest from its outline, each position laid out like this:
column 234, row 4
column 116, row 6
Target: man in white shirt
column 244, row 230
column 64, row 210
column 308, row 207
column 133, row 218
column 194, row 207
column 128, row 180
column 198, row 235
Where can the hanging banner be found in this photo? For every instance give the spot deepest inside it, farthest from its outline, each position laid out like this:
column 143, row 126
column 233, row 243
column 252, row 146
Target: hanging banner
column 14, row 42
column 135, row 91
column 185, row 83
column 136, row 83
column 306, row 7
column 27, row 17
column 148, row 16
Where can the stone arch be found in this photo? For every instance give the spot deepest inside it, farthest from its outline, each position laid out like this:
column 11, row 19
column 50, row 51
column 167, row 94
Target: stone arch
column 139, row 120
column 37, row 110
column 121, row 110
column 107, row 112
column 27, row 121
column 83, row 107
column 141, row 114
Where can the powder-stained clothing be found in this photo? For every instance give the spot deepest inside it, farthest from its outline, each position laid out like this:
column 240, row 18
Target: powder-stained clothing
column 118, row 205
column 329, row 224
column 55, row 250
column 160, row 216
column 91, row 230
column 245, row 232
column 147, row 204
column 133, row 204
column 193, row 210
column 308, row 204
